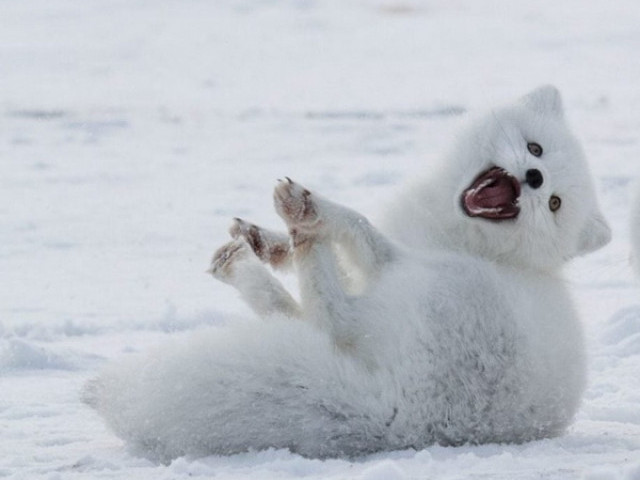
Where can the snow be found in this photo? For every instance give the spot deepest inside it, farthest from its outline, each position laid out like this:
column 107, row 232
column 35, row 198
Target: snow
column 132, row 131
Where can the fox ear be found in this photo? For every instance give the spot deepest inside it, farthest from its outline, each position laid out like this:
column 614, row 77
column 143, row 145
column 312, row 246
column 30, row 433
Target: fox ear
column 545, row 99
column 595, row 234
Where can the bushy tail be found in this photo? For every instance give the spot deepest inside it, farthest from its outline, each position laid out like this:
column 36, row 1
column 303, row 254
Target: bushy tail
column 277, row 384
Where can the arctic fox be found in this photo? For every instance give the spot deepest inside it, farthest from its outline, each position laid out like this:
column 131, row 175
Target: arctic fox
column 459, row 330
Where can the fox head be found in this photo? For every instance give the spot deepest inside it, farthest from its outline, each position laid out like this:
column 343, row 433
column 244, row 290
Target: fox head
column 524, row 192
column 515, row 188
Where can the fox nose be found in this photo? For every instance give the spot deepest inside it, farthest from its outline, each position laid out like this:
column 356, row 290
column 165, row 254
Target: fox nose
column 534, row 178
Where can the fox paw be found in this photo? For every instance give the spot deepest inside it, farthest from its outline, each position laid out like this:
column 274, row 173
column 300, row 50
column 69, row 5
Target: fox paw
column 294, row 204
column 270, row 247
column 226, row 256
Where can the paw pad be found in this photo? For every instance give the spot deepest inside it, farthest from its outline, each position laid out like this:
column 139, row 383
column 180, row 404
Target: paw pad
column 294, row 203
column 252, row 235
column 224, row 257
column 270, row 247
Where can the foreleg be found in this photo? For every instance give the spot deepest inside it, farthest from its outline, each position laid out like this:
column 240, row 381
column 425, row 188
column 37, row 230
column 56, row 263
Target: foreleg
column 234, row 263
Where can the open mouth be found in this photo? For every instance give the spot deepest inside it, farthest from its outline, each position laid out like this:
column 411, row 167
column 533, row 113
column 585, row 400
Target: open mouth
column 493, row 195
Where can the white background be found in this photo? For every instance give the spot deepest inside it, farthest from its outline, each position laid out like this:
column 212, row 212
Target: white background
column 132, row 131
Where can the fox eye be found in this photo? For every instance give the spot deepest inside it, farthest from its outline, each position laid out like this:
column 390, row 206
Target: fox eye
column 534, row 149
column 554, row 203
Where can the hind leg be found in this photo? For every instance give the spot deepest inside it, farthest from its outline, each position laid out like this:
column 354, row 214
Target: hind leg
column 314, row 224
column 234, row 263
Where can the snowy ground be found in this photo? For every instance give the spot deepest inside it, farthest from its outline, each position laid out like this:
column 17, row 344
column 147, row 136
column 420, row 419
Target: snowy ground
column 131, row 131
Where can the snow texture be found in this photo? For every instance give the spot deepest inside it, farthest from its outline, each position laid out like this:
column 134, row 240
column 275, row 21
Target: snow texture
column 131, row 132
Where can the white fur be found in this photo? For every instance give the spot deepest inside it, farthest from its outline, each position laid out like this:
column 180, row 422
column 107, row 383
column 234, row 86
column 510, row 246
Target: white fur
column 463, row 330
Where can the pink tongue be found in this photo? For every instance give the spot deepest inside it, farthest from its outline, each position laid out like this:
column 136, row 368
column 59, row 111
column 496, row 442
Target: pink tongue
column 500, row 192
column 493, row 195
